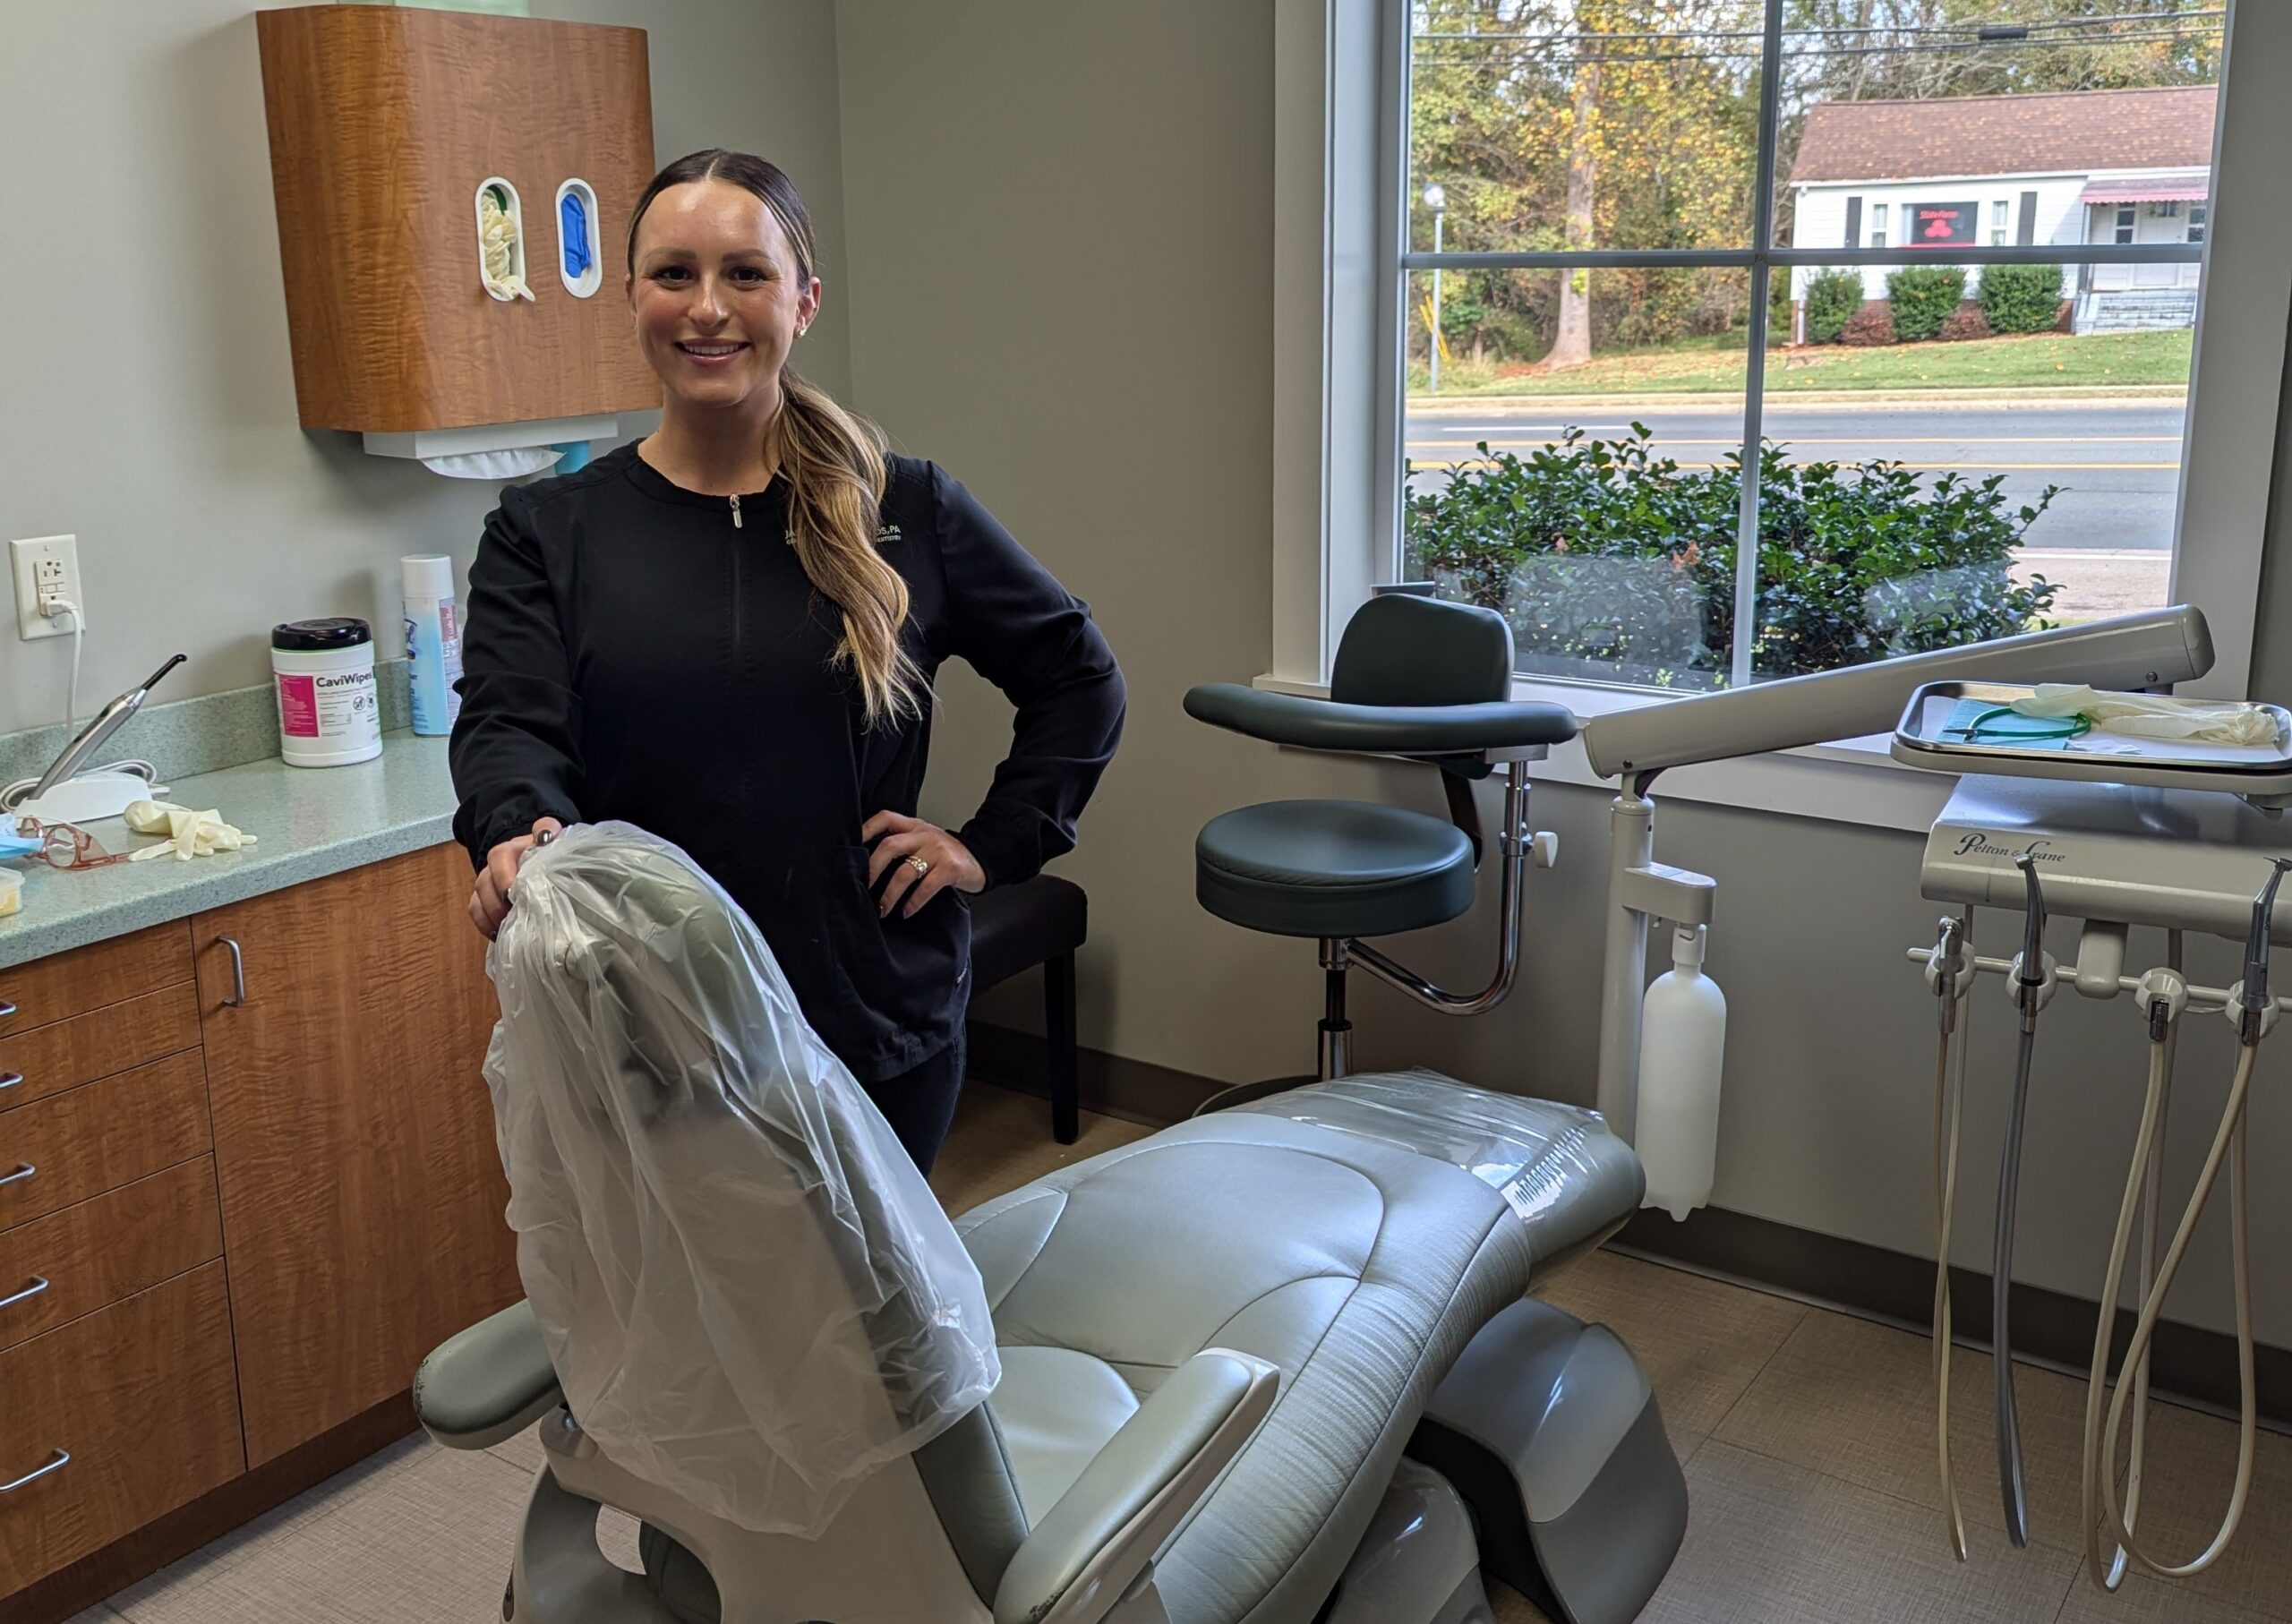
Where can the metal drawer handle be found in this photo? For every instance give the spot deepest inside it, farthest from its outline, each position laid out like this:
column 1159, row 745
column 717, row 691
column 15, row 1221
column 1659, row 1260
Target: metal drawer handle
column 6, row 1009
column 38, row 1285
column 57, row 1463
column 9, row 1079
column 24, row 1170
column 237, row 1000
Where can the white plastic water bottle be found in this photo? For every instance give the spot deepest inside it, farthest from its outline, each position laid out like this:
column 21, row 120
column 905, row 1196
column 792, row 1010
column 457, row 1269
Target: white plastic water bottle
column 1682, row 1039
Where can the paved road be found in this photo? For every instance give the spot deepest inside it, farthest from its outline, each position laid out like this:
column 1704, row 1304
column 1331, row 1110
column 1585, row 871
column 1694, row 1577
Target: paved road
column 2118, row 466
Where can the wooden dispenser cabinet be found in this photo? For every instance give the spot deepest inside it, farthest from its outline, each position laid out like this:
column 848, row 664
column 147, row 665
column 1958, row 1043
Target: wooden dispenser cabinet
column 397, row 137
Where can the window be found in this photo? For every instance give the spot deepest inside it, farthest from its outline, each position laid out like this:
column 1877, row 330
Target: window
column 1641, row 495
column 2167, row 211
column 2196, row 216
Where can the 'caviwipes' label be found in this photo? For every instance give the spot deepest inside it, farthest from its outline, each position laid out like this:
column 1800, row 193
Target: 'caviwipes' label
column 340, row 709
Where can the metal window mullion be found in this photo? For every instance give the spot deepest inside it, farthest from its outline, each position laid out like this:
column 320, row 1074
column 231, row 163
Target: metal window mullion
column 1770, row 99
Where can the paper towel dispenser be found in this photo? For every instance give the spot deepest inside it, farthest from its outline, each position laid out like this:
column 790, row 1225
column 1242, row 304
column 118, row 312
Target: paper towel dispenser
column 449, row 185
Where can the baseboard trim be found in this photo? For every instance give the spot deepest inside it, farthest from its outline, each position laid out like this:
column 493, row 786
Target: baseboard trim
column 2189, row 1363
column 2192, row 1365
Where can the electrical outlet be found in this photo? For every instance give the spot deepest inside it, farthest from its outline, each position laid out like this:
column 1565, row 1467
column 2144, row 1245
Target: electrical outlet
column 45, row 567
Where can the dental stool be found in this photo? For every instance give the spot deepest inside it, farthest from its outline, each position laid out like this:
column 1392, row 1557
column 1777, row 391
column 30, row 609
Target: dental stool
column 1271, row 1366
column 1416, row 678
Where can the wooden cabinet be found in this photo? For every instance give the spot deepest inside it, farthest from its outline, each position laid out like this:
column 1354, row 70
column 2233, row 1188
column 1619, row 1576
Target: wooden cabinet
column 135, row 1409
column 363, row 1198
column 385, row 122
column 230, row 1230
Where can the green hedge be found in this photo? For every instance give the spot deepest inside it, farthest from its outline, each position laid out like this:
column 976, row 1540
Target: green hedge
column 1922, row 297
column 1832, row 299
column 2020, row 298
column 1601, row 551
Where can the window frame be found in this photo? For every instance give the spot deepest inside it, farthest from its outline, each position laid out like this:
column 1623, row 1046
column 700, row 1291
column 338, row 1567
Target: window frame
column 1340, row 113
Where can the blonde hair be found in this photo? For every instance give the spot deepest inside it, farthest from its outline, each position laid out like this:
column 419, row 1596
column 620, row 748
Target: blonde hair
column 834, row 463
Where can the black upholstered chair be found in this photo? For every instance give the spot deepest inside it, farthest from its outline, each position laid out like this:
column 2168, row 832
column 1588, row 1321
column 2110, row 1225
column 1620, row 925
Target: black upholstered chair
column 1037, row 921
column 1416, row 678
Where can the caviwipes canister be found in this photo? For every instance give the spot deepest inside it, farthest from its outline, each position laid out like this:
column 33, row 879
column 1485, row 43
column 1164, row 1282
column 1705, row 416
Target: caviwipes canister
column 329, row 714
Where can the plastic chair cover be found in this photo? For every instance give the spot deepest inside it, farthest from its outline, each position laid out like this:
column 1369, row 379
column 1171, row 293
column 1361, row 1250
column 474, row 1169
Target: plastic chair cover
column 751, row 1297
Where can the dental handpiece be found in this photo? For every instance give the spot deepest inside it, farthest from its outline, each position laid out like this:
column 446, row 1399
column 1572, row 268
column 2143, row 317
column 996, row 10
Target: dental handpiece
column 2253, row 1001
column 2029, row 984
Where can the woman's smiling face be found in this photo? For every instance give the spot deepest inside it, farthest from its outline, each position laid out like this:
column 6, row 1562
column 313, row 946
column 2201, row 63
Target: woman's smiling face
column 717, row 294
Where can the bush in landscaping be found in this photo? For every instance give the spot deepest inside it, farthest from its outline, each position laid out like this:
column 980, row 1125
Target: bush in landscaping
column 1922, row 297
column 2020, row 298
column 1832, row 300
column 1873, row 324
column 1601, row 551
column 1966, row 321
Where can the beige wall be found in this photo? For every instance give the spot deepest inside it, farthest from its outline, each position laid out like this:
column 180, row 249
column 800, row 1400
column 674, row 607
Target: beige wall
column 1062, row 269
column 146, row 403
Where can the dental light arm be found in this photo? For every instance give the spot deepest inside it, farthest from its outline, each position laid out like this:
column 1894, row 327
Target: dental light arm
column 2147, row 650
column 1090, row 1549
column 2158, row 646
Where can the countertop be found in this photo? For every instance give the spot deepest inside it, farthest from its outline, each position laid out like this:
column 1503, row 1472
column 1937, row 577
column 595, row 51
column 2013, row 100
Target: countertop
column 308, row 823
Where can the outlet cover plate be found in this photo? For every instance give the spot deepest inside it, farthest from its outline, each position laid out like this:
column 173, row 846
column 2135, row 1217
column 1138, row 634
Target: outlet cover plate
column 29, row 561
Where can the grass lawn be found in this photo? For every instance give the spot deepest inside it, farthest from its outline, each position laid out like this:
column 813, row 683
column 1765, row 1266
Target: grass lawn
column 2132, row 363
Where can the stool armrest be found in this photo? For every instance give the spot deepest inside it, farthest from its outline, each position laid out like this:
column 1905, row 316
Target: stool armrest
column 488, row 1383
column 1497, row 725
column 1092, row 1547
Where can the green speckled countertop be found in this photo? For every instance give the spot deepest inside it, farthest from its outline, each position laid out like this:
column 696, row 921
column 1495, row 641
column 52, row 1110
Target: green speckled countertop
column 308, row 823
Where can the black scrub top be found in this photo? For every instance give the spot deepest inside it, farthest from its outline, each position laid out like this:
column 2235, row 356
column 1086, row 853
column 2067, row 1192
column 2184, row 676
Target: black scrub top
column 636, row 651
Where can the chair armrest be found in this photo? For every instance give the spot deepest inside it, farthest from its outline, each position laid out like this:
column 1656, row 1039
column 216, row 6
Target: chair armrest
column 1382, row 730
column 488, row 1383
column 1090, row 1547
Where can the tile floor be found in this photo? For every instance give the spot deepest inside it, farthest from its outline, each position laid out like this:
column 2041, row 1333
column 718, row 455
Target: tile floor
column 1805, row 1435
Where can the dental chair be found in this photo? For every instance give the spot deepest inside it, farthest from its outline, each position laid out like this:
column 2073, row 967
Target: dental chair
column 1275, row 1364
column 1415, row 678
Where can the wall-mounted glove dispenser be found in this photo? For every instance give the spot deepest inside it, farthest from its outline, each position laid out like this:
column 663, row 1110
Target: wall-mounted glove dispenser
column 449, row 186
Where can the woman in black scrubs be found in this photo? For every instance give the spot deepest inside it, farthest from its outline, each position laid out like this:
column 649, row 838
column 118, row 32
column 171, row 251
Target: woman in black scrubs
column 726, row 634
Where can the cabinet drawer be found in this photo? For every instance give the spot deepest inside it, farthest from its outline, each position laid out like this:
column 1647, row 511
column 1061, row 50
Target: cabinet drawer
column 80, row 1048
column 68, row 984
column 90, row 1256
column 144, row 1399
column 101, row 1136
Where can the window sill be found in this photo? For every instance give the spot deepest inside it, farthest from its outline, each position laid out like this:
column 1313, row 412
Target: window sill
column 1853, row 781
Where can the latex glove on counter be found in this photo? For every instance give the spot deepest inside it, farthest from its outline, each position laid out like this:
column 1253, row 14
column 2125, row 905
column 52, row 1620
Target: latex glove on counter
column 189, row 834
column 2153, row 716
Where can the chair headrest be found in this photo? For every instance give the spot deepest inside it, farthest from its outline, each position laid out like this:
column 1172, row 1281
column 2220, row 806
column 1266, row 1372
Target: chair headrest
column 749, row 1294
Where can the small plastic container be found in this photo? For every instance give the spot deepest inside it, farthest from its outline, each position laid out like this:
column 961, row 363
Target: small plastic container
column 329, row 711
column 12, row 891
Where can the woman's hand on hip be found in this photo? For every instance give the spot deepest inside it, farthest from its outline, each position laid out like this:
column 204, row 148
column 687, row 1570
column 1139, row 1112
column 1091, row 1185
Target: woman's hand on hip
column 489, row 898
column 928, row 859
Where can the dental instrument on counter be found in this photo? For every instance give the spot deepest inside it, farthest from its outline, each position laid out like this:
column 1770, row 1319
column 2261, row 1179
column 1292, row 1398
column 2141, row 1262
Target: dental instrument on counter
column 71, row 792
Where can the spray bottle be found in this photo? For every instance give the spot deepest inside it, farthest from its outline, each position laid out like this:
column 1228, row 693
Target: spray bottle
column 433, row 641
column 1683, row 1035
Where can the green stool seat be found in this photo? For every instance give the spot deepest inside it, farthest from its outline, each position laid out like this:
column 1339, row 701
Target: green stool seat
column 1332, row 868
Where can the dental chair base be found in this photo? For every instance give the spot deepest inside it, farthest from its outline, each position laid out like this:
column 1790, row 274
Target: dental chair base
column 1362, row 1245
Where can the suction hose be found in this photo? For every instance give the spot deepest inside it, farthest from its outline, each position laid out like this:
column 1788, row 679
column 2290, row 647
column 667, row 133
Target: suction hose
column 1950, row 971
column 2255, row 1012
column 2144, row 1191
column 2031, row 983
